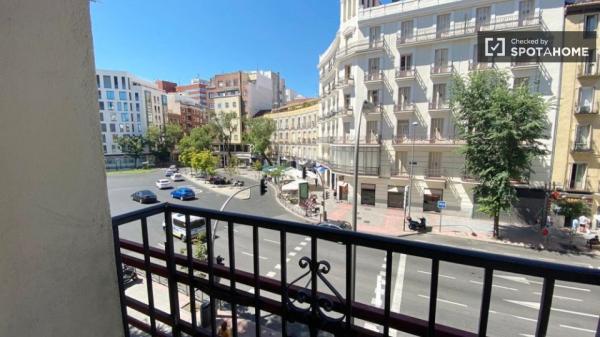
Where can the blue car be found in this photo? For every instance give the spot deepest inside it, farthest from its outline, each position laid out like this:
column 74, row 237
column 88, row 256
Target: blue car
column 183, row 193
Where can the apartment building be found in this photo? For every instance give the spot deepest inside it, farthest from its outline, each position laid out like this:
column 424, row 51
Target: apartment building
column 185, row 111
column 292, row 95
column 295, row 136
column 576, row 170
column 230, row 105
column 399, row 58
column 197, row 89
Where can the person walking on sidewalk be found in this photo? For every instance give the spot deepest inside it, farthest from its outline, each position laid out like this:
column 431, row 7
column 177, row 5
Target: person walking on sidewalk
column 224, row 331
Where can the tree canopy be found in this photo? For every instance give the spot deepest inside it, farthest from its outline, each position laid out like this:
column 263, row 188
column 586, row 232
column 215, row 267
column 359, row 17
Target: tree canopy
column 132, row 145
column 503, row 128
column 258, row 135
column 162, row 141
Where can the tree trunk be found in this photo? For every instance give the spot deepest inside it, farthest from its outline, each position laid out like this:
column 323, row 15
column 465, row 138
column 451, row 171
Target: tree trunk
column 135, row 160
column 267, row 159
column 497, row 225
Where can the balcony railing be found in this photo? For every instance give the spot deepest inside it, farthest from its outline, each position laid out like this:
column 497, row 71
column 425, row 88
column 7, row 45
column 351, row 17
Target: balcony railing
column 582, row 147
column 440, row 140
column 476, row 66
column 376, row 109
column 587, row 109
column 350, row 140
column 374, row 76
column 323, row 307
column 439, row 105
column 524, row 64
column 406, row 73
column 347, row 111
column 362, row 170
column 435, row 173
column 404, row 107
column 399, row 172
column 442, row 69
column 459, row 30
column 589, row 69
column 346, row 82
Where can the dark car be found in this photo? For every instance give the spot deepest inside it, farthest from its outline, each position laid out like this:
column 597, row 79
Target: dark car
column 183, row 193
column 218, row 180
column 336, row 224
column 144, row 197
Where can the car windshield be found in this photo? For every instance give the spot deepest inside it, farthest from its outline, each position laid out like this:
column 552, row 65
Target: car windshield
column 195, row 223
column 146, row 193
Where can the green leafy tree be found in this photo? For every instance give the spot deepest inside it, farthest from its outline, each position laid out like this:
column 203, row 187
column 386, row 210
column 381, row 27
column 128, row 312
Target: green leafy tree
column 224, row 125
column 198, row 140
column 257, row 165
column 503, row 129
column 258, row 134
column 205, row 161
column 162, row 141
column 572, row 208
column 276, row 173
column 232, row 167
column 132, row 145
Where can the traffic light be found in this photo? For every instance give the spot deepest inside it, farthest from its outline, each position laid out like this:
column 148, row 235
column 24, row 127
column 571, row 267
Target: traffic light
column 263, row 186
column 303, row 172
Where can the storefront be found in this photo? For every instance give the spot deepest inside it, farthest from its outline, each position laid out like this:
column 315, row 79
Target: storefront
column 430, row 198
column 395, row 196
column 343, row 191
column 367, row 194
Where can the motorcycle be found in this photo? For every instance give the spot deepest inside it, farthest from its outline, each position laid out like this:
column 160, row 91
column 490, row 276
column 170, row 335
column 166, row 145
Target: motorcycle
column 414, row 225
column 129, row 274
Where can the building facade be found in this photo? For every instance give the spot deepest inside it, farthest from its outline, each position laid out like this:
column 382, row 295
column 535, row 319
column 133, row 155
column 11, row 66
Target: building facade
column 400, row 57
column 185, row 111
column 197, row 90
column 295, row 136
column 576, row 168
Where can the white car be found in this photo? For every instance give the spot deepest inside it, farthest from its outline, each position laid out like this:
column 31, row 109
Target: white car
column 177, row 177
column 163, row 183
column 198, row 225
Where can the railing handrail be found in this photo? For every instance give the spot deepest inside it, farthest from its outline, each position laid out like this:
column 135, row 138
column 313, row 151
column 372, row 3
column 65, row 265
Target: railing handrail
column 514, row 264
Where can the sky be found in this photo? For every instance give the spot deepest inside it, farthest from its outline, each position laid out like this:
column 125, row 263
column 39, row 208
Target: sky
column 177, row 40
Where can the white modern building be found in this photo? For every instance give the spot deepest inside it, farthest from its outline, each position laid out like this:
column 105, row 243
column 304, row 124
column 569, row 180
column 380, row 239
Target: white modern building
column 291, row 95
column 400, row 57
column 128, row 105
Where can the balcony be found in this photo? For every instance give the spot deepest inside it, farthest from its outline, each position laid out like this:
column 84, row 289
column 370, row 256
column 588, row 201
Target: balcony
column 346, row 82
column 404, row 140
column 349, row 169
column 439, row 105
column 465, row 30
column 362, row 46
column 582, row 147
column 374, row 77
column 524, row 65
column 375, row 110
column 440, row 70
column 589, row 70
column 350, row 140
column 435, row 173
column 312, row 299
column 404, row 108
column 406, row 74
column 325, row 140
column 399, row 172
column 478, row 66
column 347, row 111
column 587, row 109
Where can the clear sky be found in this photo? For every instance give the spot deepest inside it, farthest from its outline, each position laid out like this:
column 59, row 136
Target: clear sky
column 177, row 40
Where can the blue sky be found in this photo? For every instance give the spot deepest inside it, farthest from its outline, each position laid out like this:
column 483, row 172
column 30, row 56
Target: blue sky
column 177, row 40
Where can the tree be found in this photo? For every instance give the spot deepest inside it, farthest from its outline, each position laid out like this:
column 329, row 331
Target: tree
column 257, row 165
column 204, row 161
column 162, row 141
column 572, row 208
column 224, row 126
column 232, row 166
column 503, row 129
column 199, row 139
column 132, row 145
column 258, row 134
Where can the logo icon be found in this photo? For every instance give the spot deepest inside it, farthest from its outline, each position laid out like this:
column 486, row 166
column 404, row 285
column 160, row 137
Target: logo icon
column 495, row 46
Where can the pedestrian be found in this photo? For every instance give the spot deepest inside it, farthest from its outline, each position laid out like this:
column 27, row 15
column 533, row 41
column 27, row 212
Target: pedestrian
column 224, row 331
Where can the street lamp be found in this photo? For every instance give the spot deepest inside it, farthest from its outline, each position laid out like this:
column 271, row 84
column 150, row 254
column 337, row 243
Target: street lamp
column 412, row 163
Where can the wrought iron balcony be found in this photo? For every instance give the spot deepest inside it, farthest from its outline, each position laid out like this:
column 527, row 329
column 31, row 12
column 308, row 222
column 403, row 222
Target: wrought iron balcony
column 587, row 109
column 589, row 69
column 582, row 147
column 476, row 66
column 524, row 65
column 406, row 74
column 442, row 70
column 399, row 172
column 312, row 299
column 439, row 105
column 373, row 77
column 346, row 82
column 349, row 169
column 404, row 107
column 347, row 111
column 431, row 140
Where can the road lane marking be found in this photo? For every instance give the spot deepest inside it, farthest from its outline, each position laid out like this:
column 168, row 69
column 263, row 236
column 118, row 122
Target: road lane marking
column 445, row 301
column 515, row 316
column 297, row 249
column 292, row 253
column 576, row 328
column 397, row 298
column 303, row 243
column 271, row 274
column 272, row 241
column 440, row 275
column 560, row 297
column 536, row 306
column 278, row 266
column 288, row 260
column 250, row 254
column 519, row 279
column 307, row 238
column 494, row 285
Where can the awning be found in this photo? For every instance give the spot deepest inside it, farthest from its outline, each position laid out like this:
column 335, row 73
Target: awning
column 395, row 189
column 293, row 186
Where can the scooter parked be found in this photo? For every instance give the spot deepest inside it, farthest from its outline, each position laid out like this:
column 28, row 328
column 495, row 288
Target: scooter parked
column 417, row 225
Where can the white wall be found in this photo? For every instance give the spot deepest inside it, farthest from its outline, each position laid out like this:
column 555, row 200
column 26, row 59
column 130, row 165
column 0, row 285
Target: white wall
column 57, row 266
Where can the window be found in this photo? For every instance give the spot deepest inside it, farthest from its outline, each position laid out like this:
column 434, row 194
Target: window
column 235, row 82
column 402, row 130
column 582, row 137
column 586, row 99
column 114, row 147
column 218, row 105
column 441, row 60
column 121, row 128
column 437, row 129
column 226, row 105
column 591, row 25
column 103, row 127
column 99, row 94
column 374, row 68
column 119, row 106
column 234, row 104
column 123, row 82
column 111, row 106
column 113, row 117
column 137, row 107
column 106, row 82
column 110, row 94
column 125, row 107
column 404, row 97
column 526, row 12
column 434, row 168
column 406, row 31
column 124, row 117
column 443, row 25
column 439, row 95
column 112, row 128
column 373, row 97
column 104, row 148
column 137, row 96
column 374, row 36
column 104, row 136
column 405, row 62
column 122, row 95
column 98, row 81
column 482, row 18
column 116, row 79
column 577, row 177
column 101, row 117
column 101, row 104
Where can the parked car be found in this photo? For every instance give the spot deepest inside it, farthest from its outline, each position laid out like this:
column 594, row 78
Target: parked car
column 177, row 177
column 183, row 193
column 179, row 226
column 163, row 183
column 336, row 224
column 173, row 168
column 144, row 197
column 218, row 180
column 169, row 173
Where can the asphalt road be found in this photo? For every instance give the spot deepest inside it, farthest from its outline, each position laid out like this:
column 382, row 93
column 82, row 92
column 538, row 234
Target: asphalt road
column 515, row 299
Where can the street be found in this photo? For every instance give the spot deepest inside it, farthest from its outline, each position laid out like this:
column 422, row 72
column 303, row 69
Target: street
column 515, row 299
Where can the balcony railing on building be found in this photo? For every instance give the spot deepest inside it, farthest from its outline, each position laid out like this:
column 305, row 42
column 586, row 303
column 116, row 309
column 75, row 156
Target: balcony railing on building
column 476, row 66
column 582, row 147
column 439, row 105
column 349, row 169
column 435, row 173
column 430, row 140
column 460, row 29
column 374, row 109
column 405, row 107
column 442, row 69
column 376, row 76
column 408, row 73
column 399, row 172
column 347, row 111
column 515, row 65
column 587, row 109
column 312, row 299
column 346, row 82
column 351, row 140
column 589, row 68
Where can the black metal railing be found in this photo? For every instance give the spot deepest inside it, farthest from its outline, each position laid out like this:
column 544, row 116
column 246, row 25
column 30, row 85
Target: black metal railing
column 333, row 311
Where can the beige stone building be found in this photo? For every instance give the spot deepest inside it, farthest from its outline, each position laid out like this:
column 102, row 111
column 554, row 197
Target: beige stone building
column 230, row 104
column 295, row 137
column 576, row 165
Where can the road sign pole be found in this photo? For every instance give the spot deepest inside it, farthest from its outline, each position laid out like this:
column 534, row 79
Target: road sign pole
column 441, row 204
column 440, row 220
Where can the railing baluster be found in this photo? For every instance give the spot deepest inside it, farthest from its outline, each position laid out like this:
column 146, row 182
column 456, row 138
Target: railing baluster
column 313, row 287
column 255, row 252
column 546, row 305
column 188, row 245
column 211, row 276
column 349, row 276
column 284, row 294
column 119, row 264
column 231, row 243
column 435, row 268
column 173, row 291
column 388, row 292
column 485, row 301
column 149, row 288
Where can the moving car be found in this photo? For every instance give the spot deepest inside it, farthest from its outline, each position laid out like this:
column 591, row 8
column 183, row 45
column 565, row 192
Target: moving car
column 183, row 193
column 144, row 197
column 173, row 168
column 336, row 224
column 163, row 183
column 177, row 177
column 169, row 172
column 178, row 220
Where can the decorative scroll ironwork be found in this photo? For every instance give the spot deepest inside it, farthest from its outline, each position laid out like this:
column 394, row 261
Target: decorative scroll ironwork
column 323, row 304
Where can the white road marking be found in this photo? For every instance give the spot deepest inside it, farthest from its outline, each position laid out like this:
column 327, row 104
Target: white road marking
column 377, row 301
column 272, row 241
column 519, row 279
column 297, row 249
column 397, row 298
column 307, row 238
column 536, row 306
column 440, row 275
column 303, row 243
column 514, row 316
column 560, row 297
column 250, row 254
column 445, row 301
column 526, row 335
column 576, row 328
column 278, row 266
column 292, row 253
column 271, row 274
column 572, row 288
column 494, row 285
column 288, row 260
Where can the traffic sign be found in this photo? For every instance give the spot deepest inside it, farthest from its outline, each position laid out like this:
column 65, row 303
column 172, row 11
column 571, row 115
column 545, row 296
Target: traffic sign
column 441, row 204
